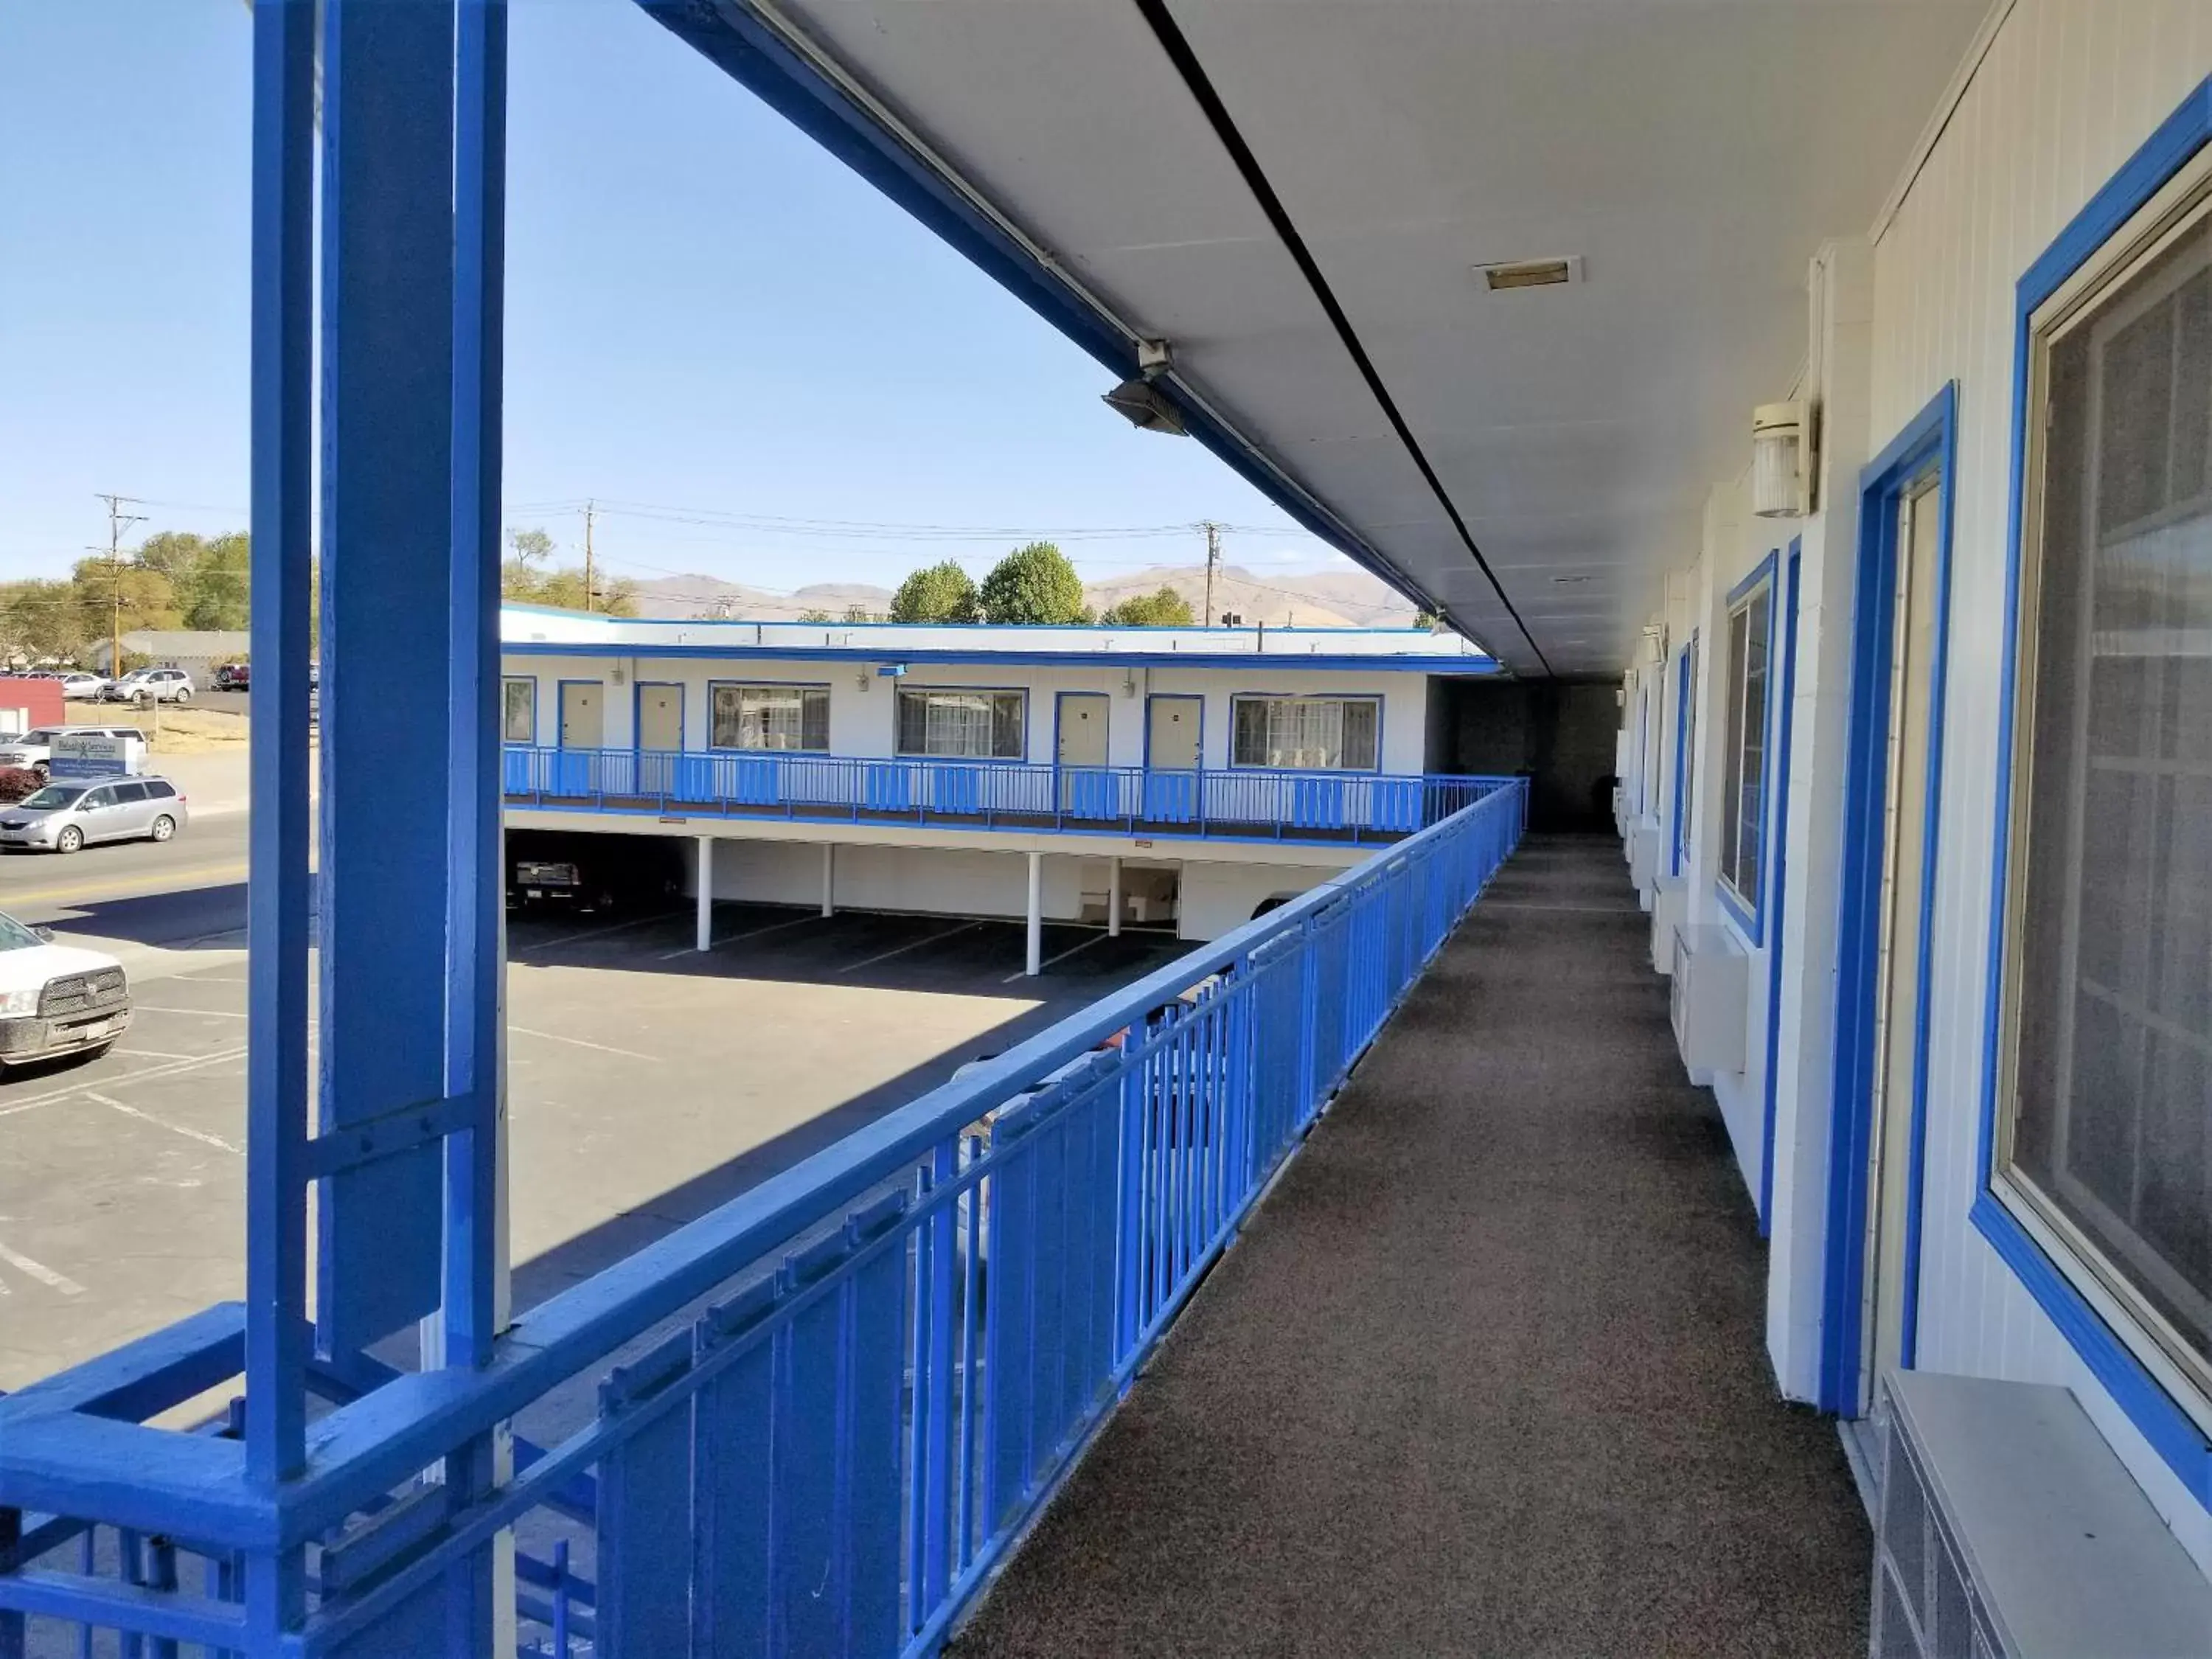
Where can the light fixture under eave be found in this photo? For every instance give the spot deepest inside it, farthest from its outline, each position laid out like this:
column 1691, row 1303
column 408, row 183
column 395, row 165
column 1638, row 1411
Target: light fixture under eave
column 1148, row 408
column 1782, row 461
column 1140, row 400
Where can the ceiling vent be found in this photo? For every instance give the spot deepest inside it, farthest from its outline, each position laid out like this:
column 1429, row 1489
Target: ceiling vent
column 1530, row 273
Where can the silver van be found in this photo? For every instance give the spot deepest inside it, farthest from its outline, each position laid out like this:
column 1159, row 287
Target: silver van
column 63, row 817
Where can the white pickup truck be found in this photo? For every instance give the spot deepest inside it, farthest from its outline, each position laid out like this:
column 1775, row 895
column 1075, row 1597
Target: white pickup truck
column 56, row 999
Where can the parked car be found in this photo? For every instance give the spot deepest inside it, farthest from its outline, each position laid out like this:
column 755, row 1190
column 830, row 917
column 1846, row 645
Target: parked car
column 558, row 869
column 31, row 751
column 234, row 677
column 83, row 687
column 145, row 685
column 57, row 1000
column 64, row 817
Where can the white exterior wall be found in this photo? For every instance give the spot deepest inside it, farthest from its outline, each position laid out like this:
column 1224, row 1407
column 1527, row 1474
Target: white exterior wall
column 1217, row 898
column 861, row 703
column 2066, row 92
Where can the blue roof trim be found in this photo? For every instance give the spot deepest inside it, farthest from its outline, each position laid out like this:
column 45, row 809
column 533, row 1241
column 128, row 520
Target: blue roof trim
column 732, row 36
column 1285, row 662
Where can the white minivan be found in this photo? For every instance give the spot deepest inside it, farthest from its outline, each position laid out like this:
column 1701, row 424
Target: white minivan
column 56, row 999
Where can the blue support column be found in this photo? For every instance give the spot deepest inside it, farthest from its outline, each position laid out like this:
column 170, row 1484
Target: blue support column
column 388, row 511
column 276, row 926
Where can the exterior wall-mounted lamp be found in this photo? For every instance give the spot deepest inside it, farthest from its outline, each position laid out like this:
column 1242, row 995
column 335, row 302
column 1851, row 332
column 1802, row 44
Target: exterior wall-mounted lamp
column 1782, row 461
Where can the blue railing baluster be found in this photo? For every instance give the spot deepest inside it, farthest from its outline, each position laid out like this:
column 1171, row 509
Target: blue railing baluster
column 732, row 1420
column 644, row 1524
column 873, row 1405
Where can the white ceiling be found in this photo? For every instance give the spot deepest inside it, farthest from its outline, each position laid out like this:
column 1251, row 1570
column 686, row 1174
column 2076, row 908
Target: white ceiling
column 1694, row 153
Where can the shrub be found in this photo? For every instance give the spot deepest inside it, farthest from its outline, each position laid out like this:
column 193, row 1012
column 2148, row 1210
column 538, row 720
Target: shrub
column 18, row 781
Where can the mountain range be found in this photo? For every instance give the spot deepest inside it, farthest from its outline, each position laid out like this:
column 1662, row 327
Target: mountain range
column 1305, row 599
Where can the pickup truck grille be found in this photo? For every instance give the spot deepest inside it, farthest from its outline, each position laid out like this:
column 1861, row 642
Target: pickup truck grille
column 81, row 994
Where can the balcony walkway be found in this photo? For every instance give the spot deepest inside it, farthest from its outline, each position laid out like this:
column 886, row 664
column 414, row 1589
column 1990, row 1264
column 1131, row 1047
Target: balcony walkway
column 1485, row 1375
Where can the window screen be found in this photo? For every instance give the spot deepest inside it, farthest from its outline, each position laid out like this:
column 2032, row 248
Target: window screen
column 962, row 724
column 1743, row 794
column 519, row 711
column 1315, row 734
column 794, row 718
column 2110, row 1024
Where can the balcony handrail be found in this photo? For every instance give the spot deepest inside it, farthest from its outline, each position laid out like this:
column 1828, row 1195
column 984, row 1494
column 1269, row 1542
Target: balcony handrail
column 1227, row 1055
column 1058, row 797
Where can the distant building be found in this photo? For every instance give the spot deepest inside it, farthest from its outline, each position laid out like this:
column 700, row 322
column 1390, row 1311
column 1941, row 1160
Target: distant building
column 198, row 651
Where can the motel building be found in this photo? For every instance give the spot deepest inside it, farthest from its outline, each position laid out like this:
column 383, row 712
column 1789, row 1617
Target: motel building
column 1774, row 1221
column 1175, row 779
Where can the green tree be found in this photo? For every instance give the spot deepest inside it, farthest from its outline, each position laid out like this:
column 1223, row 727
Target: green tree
column 940, row 594
column 528, row 576
column 44, row 621
column 1163, row 608
column 209, row 577
column 1034, row 584
column 816, row 616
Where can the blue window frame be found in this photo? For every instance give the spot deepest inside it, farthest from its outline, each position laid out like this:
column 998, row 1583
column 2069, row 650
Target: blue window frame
column 1749, row 655
column 518, row 709
column 2100, row 997
column 1685, row 738
column 1305, row 733
column 962, row 722
column 771, row 715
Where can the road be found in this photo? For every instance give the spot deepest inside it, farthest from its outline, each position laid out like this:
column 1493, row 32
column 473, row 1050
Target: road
column 184, row 893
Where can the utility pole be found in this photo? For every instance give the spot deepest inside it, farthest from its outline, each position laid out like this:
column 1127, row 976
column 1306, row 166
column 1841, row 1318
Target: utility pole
column 1212, row 563
column 588, row 507
column 117, row 518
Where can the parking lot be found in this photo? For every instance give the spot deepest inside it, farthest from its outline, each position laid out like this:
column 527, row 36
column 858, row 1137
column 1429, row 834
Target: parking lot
column 647, row 1084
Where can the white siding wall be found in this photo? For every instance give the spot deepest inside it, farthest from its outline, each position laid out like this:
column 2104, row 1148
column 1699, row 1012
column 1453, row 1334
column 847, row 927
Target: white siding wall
column 1218, row 897
column 2068, row 90
column 862, row 703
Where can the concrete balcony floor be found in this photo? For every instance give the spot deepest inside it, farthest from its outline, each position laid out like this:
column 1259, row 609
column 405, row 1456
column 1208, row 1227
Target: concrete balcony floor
column 1485, row 1374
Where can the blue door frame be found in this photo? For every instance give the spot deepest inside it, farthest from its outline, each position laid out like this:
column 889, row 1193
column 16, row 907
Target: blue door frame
column 1928, row 447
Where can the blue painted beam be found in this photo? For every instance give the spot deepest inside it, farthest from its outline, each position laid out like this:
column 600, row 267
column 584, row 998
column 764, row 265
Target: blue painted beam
column 387, row 338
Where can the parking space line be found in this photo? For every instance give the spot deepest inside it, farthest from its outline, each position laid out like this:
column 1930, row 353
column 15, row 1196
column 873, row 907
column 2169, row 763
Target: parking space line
column 750, row 932
column 175, row 1068
column 911, row 945
column 40, row 1271
column 594, row 932
column 1023, row 973
column 604, row 1047
column 154, row 1054
column 204, row 1013
column 164, row 1123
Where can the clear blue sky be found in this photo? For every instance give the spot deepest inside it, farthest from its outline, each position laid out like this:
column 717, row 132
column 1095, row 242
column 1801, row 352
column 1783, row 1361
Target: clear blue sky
column 704, row 312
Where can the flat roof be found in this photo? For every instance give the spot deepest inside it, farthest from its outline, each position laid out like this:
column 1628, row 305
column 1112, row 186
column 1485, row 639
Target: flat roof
column 544, row 631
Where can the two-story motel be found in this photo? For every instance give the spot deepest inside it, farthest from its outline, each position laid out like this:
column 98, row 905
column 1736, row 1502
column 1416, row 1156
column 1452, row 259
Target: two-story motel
column 1164, row 776
column 1832, row 379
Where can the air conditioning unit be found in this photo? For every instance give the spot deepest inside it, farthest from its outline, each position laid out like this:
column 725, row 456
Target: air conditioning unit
column 1670, row 908
column 1709, row 1002
column 2008, row 1529
column 1644, row 846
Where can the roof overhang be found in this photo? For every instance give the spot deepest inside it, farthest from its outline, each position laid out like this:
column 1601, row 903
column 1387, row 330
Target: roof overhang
column 1298, row 196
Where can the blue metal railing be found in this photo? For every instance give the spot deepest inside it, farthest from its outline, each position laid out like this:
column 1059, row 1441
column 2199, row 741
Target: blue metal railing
column 812, row 1421
column 1005, row 794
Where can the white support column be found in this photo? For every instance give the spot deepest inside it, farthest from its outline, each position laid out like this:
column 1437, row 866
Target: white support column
column 829, row 877
column 1113, row 898
column 705, row 894
column 1035, row 957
